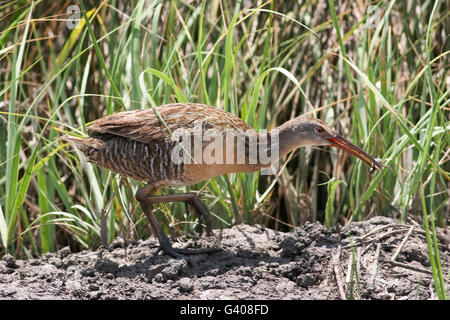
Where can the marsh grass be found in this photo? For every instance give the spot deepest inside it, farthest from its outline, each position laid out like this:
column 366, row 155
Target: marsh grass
column 376, row 71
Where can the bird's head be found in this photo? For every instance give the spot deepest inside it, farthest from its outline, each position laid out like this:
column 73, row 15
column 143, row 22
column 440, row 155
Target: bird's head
column 305, row 130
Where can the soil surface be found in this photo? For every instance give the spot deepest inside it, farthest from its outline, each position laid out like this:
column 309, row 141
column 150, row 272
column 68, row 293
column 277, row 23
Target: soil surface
column 376, row 259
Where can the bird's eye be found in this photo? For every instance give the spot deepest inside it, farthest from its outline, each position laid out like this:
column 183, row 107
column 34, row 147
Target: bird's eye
column 319, row 130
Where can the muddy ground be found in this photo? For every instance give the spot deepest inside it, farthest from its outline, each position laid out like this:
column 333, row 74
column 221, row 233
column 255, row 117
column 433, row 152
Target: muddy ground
column 390, row 261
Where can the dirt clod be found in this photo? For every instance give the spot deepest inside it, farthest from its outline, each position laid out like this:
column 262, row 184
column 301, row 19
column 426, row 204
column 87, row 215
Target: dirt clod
column 10, row 262
column 106, row 265
column 310, row 262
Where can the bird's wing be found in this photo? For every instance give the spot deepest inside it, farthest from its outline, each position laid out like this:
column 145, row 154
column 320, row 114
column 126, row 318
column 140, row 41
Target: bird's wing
column 144, row 125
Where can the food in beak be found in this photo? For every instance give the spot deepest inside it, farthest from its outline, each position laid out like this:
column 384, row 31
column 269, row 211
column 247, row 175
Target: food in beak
column 342, row 143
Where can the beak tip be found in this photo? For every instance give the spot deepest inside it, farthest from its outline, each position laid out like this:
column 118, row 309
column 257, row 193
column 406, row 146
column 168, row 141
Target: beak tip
column 377, row 164
column 340, row 142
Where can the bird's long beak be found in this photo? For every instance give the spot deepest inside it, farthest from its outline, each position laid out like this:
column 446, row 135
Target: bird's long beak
column 342, row 143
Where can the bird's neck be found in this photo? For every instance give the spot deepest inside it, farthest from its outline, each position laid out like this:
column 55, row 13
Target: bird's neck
column 288, row 141
column 272, row 145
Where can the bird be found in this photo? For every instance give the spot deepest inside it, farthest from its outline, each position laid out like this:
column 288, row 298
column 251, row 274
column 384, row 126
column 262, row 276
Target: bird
column 153, row 147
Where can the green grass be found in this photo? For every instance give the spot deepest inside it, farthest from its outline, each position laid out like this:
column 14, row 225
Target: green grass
column 385, row 87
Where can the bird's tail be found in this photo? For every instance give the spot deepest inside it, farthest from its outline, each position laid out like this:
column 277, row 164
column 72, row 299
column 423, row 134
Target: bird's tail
column 85, row 145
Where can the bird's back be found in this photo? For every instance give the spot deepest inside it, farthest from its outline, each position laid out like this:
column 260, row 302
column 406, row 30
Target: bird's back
column 145, row 126
column 137, row 144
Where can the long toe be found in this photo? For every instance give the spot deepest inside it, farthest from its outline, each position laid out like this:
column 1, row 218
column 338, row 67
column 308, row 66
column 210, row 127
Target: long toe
column 181, row 252
column 196, row 251
column 169, row 250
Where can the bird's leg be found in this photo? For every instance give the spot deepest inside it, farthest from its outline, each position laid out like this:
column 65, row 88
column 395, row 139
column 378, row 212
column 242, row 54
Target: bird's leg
column 189, row 198
column 146, row 198
column 187, row 211
column 164, row 242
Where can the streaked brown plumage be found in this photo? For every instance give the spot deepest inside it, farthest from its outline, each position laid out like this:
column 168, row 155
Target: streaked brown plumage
column 137, row 144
